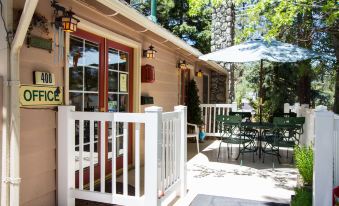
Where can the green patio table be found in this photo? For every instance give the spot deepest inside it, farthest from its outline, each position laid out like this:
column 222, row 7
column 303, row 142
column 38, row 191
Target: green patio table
column 260, row 126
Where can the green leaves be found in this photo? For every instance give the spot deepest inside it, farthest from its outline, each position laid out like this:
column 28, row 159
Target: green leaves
column 304, row 163
column 197, row 6
column 193, row 104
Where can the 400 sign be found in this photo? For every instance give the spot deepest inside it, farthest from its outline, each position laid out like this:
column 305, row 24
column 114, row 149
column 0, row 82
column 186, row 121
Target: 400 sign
column 34, row 95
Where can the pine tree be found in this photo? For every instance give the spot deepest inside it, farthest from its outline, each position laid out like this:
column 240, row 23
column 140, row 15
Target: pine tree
column 193, row 104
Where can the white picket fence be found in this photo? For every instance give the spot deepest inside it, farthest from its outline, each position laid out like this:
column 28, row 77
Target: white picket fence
column 321, row 131
column 307, row 138
column 209, row 113
column 164, row 149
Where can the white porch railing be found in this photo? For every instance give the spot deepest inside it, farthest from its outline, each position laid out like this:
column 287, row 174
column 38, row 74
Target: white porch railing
column 165, row 156
column 209, row 113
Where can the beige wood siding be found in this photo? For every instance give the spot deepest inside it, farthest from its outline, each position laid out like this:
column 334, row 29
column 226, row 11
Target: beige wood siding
column 38, row 125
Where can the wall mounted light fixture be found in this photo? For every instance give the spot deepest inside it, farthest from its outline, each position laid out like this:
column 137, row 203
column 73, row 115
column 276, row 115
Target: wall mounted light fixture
column 69, row 22
column 199, row 73
column 182, row 65
column 63, row 18
column 150, row 52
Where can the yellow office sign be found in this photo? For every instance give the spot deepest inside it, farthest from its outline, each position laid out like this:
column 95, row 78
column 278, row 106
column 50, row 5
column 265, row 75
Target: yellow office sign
column 34, row 95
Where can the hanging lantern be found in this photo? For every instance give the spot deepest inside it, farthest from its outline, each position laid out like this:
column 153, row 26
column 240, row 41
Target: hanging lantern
column 150, row 52
column 123, row 56
column 182, row 65
column 69, row 22
column 199, row 73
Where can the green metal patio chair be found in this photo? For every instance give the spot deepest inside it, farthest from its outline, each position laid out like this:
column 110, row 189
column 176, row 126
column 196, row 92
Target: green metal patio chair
column 244, row 115
column 232, row 133
column 283, row 134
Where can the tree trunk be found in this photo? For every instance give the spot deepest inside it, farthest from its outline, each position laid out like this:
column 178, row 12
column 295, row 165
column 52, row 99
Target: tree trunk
column 335, row 40
column 304, row 40
column 304, row 83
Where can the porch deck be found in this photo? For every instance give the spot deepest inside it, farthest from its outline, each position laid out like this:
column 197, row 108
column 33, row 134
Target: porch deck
column 208, row 179
column 226, row 178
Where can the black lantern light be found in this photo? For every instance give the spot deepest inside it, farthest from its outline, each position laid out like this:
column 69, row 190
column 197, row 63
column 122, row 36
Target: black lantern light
column 150, row 52
column 182, row 65
column 63, row 18
column 69, row 22
column 199, row 73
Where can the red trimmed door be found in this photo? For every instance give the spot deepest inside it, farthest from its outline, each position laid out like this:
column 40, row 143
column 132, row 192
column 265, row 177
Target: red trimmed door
column 100, row 79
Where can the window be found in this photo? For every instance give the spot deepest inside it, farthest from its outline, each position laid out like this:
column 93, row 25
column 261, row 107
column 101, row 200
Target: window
column 84, row 74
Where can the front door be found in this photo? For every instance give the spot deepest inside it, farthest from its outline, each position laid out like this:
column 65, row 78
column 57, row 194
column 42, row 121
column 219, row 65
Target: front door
column 100, row 74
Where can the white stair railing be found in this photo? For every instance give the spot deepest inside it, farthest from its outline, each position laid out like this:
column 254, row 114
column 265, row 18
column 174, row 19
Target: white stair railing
column 171, row 141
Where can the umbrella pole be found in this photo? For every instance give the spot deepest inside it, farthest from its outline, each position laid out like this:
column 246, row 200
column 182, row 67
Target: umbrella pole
column 260, row 90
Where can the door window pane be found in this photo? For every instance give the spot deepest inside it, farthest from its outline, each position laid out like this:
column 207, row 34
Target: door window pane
column 113, row 59
column 91, row 57
column 112, row 102
column 75, row 99
column 91, row 102
column 112, row 81
column 123, row 103
column 76, row 78
column 75, row 52
column 123, row 61
column 91, row 79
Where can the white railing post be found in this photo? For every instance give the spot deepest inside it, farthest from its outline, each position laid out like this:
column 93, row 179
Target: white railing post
column 153, row 144
column 286, row 108
column 234, row 107
column 336, row 151
column 323, row 158
column 183, row 149
column 66, row 156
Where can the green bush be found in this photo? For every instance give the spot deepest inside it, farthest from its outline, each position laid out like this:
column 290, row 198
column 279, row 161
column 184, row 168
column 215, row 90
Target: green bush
column 303, row 197
column 304, row 163
column 193, row 104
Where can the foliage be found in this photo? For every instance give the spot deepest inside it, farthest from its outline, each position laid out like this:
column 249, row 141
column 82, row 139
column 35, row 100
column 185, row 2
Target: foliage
column 303, row 197
column 193, row 104
column 280, row 16
column 308, row 23
column 304, row 163
column 174, row 16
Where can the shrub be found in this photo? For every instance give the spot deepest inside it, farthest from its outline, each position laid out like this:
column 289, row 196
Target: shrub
column 303, row 197
column 193, row 104
column 304, row 163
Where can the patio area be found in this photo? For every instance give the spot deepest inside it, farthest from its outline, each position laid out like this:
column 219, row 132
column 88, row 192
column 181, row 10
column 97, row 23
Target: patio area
column 208, row 179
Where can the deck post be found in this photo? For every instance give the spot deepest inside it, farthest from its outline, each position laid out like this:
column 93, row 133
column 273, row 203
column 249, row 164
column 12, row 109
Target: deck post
column 323, row 158
column 234, row 107
column 183, row 149
column 153, row 143
column 65, row 156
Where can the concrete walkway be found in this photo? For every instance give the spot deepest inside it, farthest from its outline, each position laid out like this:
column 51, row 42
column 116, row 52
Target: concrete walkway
column 226, row 178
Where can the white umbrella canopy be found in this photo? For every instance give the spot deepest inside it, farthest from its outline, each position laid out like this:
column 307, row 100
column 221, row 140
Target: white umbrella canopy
column 256, row 50
column 260, row 50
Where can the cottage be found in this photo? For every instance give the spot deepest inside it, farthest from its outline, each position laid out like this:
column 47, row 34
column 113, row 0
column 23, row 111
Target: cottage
column 97, row 55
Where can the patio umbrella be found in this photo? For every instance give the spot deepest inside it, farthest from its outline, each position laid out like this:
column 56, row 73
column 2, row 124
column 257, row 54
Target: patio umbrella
column 260, row 50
